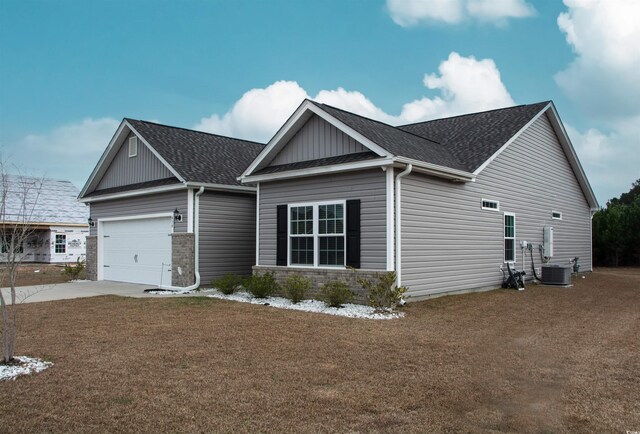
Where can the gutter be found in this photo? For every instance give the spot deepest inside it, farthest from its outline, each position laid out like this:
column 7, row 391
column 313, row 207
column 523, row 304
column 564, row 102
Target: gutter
column 401, row 175
column 196, row 231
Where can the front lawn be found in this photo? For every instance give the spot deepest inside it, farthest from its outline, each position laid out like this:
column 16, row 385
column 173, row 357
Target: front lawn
column 541, row 360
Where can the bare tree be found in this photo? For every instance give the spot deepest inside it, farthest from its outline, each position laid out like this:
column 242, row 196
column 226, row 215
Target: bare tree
column 19, row 196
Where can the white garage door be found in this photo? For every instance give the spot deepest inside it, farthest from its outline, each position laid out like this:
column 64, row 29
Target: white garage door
column 137, row 251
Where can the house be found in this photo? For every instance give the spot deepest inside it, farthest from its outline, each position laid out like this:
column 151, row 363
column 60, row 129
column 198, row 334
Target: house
column 166, row 208
column 445, row 203
column 51, row 223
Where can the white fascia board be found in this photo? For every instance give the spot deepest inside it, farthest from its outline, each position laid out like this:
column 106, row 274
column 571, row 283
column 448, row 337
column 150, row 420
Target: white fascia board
column 565, row 142
column 511, row 140
column 154, row 152
column 320, row 170
column 293, row 125
column 436, row 170
column 107, row 152
column 134, row 193
column 222, row 187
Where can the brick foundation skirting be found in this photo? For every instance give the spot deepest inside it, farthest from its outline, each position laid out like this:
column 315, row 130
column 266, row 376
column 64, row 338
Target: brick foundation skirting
column 320, row 276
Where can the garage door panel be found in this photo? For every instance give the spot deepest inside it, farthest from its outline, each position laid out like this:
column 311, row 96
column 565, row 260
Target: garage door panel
column 137, row 250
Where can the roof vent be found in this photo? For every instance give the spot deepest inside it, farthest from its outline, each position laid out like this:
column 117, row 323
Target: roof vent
column 133, row 146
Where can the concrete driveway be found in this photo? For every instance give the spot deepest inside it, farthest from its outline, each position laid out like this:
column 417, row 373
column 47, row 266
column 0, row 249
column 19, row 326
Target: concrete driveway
column 65, row 291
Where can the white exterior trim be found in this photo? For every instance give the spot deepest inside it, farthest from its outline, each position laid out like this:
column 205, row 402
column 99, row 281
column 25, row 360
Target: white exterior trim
column 436, row 170
column 222, row 187
column 390, row 219
column 556, row 212
column 258, row 224
column 190, row 210
column 398, row 210
column 100, row 234
column 103, row 157
column 483, row 200
column 319, row 170
column 295, row 122
column 515, row 239
column 133, row 193
column 316, row 235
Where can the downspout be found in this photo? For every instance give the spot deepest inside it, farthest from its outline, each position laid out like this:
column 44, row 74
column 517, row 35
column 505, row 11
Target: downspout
column 196, row 232
column 401, row 175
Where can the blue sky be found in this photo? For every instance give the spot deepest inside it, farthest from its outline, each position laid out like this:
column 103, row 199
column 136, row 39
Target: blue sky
column 71, row 70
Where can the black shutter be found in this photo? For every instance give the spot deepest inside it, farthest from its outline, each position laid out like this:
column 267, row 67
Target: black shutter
column 281, row 229
column 353, row 233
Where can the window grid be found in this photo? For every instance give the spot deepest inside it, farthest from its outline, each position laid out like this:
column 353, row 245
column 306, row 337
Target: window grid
column 317, row 234
column 331, row 221
column 509, row 238
column 491, row 205
column 61, row 244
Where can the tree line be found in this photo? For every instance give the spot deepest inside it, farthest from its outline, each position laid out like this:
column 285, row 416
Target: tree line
column 616, row 230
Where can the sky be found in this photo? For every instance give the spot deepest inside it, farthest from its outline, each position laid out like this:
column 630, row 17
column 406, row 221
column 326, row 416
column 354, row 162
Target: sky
column 71, row 70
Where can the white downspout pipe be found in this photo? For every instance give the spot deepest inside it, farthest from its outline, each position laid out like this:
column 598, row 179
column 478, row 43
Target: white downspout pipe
column 196, row 233
column 401, row 175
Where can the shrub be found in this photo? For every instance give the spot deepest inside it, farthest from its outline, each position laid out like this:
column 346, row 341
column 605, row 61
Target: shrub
column 262, row 285
column 295, row 287
column 74, row 272
column 228, row 284
column 336, row 293
column 383, row 294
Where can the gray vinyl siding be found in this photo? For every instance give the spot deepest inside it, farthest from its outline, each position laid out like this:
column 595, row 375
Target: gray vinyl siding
column 317, row 139
column 368, row 186
column 125, row 170
column 151, row 204
column 449, row 243
column 227, row 234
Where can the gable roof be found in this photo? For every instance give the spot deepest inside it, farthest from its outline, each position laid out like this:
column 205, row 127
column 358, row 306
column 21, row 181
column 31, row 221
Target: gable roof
column 194, row 157
column 473, row 138
column 48, row 201
column 456, row 148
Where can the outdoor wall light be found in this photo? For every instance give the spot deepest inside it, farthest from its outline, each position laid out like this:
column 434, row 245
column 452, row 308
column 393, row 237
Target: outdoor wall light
column 176, row 215
column 91, row 222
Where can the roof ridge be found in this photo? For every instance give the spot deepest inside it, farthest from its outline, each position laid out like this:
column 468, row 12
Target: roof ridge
column 194, row 131
column 476, row 113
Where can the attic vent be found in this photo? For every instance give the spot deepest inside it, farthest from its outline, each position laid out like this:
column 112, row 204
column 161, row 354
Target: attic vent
column 556, row 215
column 491, row 205
column 133, row 146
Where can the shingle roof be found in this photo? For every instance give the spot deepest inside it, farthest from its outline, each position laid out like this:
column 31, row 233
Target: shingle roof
column 47, row 201
column 473, row 138
column 395, row 140
column 197, row 156
column 461, row 142
column 139, row 185
column 340, row 159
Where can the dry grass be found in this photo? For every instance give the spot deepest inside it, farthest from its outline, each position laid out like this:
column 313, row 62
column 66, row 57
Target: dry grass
column 542, row 360
column 36, row 274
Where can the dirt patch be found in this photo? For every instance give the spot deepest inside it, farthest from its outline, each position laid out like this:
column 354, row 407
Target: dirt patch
column 38, row 274
column 542, row 360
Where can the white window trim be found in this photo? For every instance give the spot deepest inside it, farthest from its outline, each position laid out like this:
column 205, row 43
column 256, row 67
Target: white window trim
column 497, row 202
column 553, row 217
column 133, row 144
column 316, row 235
column 56, row 244
column 515, row 253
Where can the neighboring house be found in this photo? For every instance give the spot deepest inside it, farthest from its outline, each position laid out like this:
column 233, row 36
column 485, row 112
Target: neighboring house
column 56, row 221
column 166, row 207
column 445, row 203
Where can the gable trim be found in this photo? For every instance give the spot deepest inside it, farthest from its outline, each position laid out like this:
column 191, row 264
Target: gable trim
column 295, row 122
column 133, row 193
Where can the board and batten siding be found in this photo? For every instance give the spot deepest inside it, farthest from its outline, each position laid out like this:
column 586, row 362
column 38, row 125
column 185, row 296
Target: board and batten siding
column 317, row 139
column 140, row 205
column 450, row 244
column 369, row 186
column 125, row 170
column 227, row 234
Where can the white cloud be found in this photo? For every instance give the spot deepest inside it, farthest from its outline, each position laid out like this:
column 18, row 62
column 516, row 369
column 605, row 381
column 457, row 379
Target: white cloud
column 602, row 80
column 464, row 84
column 67, row 152
column 408, row 13
column 605, row 35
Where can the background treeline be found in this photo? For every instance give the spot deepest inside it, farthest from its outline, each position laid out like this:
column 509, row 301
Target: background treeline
column 616, row 230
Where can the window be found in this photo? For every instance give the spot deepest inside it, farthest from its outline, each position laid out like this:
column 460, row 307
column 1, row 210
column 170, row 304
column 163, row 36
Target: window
column 6, row 245
column 509, row 237
column 133, row 146
column 556, row 215
column 61, row 244
column 317, row 234
column 491, row 205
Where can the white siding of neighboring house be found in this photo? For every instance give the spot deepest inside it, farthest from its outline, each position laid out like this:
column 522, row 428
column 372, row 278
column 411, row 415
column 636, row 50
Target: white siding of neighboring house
column 449, row 243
